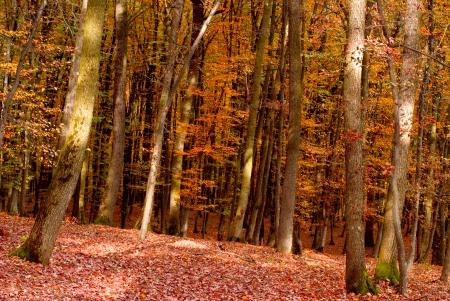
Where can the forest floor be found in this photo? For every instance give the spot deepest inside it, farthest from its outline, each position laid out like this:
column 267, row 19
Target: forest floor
column 104, row 263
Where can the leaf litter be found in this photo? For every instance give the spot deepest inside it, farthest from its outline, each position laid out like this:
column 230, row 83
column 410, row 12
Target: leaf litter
column 92, row 262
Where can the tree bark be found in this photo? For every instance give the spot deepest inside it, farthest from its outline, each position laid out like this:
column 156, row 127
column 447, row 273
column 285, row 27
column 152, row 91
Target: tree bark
column 39, row 245
column 238, row 219
column 182, row 125
column 404, row 99
column 106, row 210
column 73, row 76
column 356, row 278
column 286, row 227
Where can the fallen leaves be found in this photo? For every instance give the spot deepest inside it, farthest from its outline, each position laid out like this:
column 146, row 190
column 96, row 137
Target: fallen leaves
column 103, row 263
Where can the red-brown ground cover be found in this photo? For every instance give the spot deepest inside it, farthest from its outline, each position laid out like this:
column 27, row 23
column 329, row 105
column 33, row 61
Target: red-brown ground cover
column 104, row 263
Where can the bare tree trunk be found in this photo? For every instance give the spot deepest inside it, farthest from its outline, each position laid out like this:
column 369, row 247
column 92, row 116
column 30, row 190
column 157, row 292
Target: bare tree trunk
column 286, row 227
column 280, row 124
column 39, row 245
column 446, row 266
column 182, row 126
column 106, row 210
column 428, row 196
column 356, row 277
column 73, row 77
column 418, row 180
column 404, row 99
column 238, row 219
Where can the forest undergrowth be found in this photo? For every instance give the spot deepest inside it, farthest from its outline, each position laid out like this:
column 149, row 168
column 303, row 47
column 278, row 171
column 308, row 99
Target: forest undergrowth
column 93, row 262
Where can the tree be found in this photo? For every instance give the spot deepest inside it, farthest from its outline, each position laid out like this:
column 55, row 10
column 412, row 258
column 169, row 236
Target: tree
column 356, row 278
column 185, row 118
column 404, row 99
column 72, row 85
column 106, row 210
column 286, row 227
column 238, row 219
column 39, row 245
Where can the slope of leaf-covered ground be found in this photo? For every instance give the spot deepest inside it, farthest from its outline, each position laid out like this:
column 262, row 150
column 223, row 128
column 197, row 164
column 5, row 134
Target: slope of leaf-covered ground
column 104, row 263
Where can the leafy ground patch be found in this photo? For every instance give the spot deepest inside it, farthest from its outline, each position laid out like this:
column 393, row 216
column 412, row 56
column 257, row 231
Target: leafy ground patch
column 103, row 263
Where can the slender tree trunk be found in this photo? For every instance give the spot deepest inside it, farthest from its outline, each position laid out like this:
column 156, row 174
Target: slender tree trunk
column 4, row 106
column 446, row 265
column 23, row 184
column 182, row 126
column 418, row 180
column 286, row 227
column 106, row 210
column 39, row 245
column 238, row 219
column 280, row 124
column 428, row 197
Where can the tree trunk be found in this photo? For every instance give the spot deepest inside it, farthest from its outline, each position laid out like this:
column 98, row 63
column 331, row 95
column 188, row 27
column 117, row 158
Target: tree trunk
column 182, row 125
column 446, row 265
column 238, row 219
column 403, row 110
column 72, row 85
column 286, row 227
column 39, row 245
column 356, row 278
column 106, row 210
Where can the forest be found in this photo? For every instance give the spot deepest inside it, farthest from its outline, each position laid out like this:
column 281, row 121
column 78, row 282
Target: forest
column 288, row 135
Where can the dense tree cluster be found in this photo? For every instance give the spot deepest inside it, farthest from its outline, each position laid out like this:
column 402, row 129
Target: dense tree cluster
column 300, row 112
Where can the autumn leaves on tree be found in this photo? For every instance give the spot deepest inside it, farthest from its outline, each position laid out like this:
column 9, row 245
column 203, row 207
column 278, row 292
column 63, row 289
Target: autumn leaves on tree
column 281, row 119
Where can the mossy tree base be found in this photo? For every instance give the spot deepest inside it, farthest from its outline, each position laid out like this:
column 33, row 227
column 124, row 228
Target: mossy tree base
column 237, row 239
column 365, row 286
column 387, row 271
column 102, row 221
column 24, row 253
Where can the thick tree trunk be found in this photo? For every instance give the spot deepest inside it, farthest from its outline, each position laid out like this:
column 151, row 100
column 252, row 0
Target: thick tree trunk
column 73, row 76
column 286, row 227
column 39, row 245
column 356, row 278
column 106, row 210
column 404, row 99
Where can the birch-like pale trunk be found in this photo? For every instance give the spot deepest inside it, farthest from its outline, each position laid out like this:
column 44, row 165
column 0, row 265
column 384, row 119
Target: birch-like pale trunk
column 392, row 246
